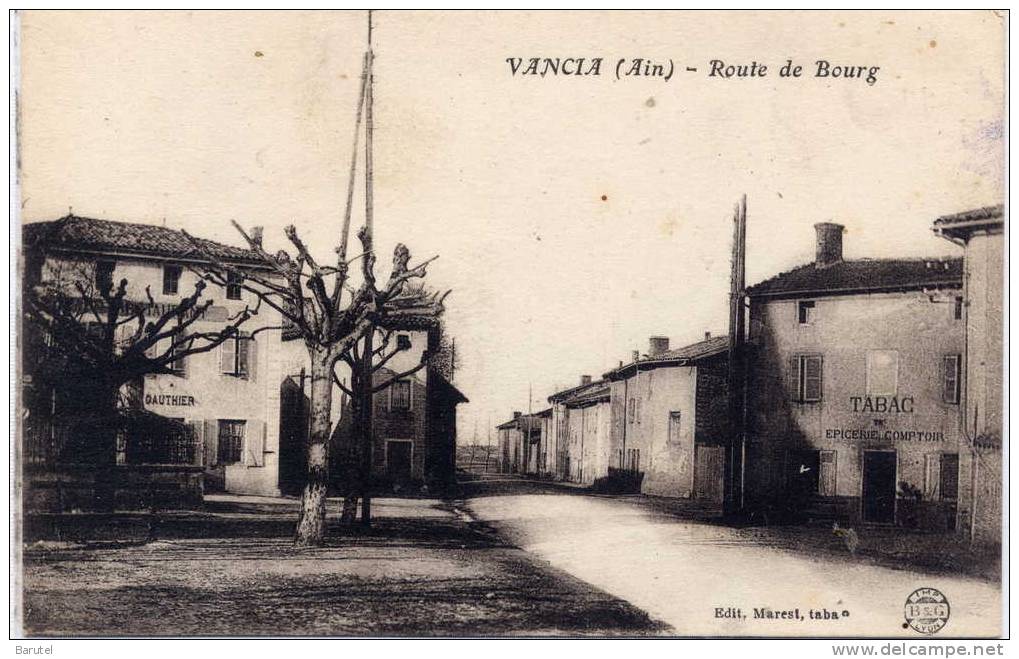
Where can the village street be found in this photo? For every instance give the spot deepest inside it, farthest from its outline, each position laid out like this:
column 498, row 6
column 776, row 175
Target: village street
column 689, row 573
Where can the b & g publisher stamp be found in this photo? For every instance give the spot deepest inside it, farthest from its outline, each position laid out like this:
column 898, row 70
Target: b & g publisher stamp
column 927, row 610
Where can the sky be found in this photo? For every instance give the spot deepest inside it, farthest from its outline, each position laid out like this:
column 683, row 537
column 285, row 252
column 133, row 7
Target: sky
column 573, row 216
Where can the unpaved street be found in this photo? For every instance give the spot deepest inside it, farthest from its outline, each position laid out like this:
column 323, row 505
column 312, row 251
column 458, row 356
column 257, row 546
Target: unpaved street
column 684, row 572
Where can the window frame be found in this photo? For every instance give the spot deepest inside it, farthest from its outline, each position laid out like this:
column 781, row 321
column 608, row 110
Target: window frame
column 221, row 426
column 675, row 422
column 801, row 374
column 239, row 339
column 956, row 372
column 410, row 395
column 104, row 272
column 167, row 269
column 808, row 317
column 233, row 285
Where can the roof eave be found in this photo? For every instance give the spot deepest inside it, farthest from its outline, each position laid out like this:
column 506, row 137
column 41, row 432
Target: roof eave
column 821, row 292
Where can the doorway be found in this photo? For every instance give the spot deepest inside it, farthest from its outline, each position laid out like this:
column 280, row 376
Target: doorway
column 398, row 460
column 879, row 471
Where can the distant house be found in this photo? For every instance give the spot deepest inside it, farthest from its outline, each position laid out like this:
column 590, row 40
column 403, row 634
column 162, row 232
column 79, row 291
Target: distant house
column 414, row 423
column 670, row 418
column 580, row 424
column 520, row 444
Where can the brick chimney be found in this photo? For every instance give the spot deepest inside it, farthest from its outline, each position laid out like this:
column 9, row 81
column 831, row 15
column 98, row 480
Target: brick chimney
column 517, row 415
column 657, row 345
column 585, row 379
column 829, row 244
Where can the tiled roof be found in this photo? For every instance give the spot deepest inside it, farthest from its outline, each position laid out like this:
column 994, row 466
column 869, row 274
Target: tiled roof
column 684, row 356
column 862, row 276
column 589, row 397
column 985, row 213
column 959, row 226
column 565, row 394
column 89, row 234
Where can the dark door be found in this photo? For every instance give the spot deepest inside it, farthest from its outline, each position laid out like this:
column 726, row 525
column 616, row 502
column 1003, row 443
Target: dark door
column 398, row 461
column 803, row 469
column 879, row 486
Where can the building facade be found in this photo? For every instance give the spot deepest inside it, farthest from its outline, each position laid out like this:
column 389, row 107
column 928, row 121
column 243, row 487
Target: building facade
column 981, row 234
column 854, row 393
column 669, row 418
column 227, row 398
column 580, row 422
column 413, row 423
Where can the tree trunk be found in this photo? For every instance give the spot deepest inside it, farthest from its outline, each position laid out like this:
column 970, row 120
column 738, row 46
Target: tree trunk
column 311, row 522
column 367, row 380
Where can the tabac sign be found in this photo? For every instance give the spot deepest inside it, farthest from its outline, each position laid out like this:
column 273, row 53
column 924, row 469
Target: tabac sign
column 882, row 404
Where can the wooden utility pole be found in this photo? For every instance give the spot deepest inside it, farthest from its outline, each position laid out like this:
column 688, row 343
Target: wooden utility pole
column 367, row 379
column 736, row 448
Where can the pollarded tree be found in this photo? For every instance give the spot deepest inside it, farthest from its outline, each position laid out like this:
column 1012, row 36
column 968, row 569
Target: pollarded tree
column 330, row 320
column 86, row 337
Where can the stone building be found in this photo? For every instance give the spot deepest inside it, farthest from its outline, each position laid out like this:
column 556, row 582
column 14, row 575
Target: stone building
column 226, row 401
column 580, row 422
column 981, row 234
column 855, row 387
column 669, row 412
column 414, row 419
column 520, row 444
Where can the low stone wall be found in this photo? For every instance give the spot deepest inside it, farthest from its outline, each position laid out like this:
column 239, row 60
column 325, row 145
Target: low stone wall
column 73, row 488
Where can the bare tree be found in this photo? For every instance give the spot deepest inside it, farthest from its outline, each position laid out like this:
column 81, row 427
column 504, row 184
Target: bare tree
column 363, row 386
column 95, row 342
column 330, row 320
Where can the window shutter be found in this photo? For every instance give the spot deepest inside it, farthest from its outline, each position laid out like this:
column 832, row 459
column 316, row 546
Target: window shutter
column 227, row 356
column 252, row 358
column 931, row 476
column 812, row 378
column 950, row 378
column 793, row 378
column 211, row 442
column 256, row 447
column 826, row 479
column 949, row 476
column 195, row 434
column 242, row 347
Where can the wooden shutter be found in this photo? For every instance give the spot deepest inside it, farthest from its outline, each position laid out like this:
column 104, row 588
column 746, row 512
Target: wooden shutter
column 227, row 356
column 812, row 378
column 211, row 442
column 252, row 363
column 242, row 355
column 793, row 379
column 950, row 378
column 255, row 446
column 196, row 435
column 826, row 479
column 949, row 480
column 931, row 476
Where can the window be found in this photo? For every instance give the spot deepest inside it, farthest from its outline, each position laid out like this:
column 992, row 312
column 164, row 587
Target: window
column 949, row 477
column 805, row 311
column 957, row 308
column 882, row 372
column 171, row 279
column 104, row 274
column 674, row 419
column 233, row 286
column 231, row 441
column 806, row 376
column 951, row 370
column 234, row 355
column 179, row 364
column 399, row 393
